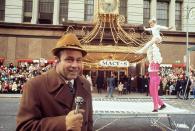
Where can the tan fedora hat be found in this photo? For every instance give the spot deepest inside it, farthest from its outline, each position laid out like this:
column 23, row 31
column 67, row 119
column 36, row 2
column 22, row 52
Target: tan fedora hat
column 68, row 41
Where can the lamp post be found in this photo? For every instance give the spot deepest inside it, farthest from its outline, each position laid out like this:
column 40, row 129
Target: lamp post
column 190, row 13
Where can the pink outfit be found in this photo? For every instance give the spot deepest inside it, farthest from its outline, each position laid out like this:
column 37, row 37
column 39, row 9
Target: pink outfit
column 154, row 58
column 154, row 84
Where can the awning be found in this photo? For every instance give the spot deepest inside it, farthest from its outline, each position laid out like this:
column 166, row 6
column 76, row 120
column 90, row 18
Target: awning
column 44, row 61
column 171, row 65
column 24, row 60
column 178, row 65
column 34, row 61
column 97, row 53
column 165, row 65
column 50, row 61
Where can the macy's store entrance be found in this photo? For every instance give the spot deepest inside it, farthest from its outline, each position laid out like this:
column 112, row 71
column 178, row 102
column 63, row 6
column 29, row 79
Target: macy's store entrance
column 103, row 60
column 104, row 74
column 121, row 69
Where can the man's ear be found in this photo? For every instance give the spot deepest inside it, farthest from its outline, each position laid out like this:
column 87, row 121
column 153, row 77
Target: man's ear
column 57, row 59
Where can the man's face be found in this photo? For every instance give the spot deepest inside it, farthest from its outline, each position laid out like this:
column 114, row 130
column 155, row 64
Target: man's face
column 70, row 64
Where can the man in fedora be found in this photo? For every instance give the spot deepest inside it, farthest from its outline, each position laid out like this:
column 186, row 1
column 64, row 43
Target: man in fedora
column 48, row 101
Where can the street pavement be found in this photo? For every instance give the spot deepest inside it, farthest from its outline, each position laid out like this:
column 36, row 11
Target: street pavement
column 184, row 122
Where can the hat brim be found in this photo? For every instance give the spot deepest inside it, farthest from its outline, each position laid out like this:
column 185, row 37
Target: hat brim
column 55, row 51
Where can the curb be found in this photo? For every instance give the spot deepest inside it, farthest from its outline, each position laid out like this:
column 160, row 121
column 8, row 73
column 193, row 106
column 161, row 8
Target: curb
column 101, row 96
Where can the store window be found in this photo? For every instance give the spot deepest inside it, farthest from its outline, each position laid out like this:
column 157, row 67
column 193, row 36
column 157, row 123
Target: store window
column 2, row 10
column 123, row 8
column 27, row 11
column 146, row 12
column 89, row 9
column 63, row 17
column 163, row 13
column 178, row 15
column 46, row 11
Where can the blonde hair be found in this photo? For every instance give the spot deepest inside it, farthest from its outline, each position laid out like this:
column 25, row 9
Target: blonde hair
column 152, row 20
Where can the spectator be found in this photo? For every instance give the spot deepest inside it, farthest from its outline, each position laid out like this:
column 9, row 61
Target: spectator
column 129, row 84
column 110, row 85
column 146, row 84
column 5, row 87
column 120, row 88
column 100, row 83
column 14, row 87
column 193, row 87
column 178, row 86
column 0, row 87
column 90, row 81
column 186, row 87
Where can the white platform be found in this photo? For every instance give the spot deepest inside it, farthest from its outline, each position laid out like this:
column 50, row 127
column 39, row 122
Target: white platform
column 134, row 107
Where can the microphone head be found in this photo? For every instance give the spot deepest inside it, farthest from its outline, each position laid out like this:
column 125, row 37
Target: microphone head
column 79, row 100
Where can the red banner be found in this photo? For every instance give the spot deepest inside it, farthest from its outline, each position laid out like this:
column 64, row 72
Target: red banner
column 24, row 60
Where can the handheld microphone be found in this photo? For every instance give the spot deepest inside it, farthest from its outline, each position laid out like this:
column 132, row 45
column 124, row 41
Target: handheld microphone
column 78, row 101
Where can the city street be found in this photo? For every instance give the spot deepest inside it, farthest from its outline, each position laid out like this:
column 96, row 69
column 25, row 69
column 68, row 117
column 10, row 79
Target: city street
column 185, row 122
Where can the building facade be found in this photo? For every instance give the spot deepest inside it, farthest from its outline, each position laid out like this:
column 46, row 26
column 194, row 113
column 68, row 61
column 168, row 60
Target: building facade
column 54, row 12
column 30, row 28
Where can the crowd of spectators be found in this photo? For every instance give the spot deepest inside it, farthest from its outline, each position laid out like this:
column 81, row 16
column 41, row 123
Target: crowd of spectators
column 173, row 80
column 12, row 78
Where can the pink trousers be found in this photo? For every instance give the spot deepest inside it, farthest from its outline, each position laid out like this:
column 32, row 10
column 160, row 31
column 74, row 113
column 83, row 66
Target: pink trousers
column 154, row 84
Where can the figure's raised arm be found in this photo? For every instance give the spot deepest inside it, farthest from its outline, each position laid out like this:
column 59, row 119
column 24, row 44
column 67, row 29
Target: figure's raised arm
column 165, row 27
column 147, row 29
column 171, row 27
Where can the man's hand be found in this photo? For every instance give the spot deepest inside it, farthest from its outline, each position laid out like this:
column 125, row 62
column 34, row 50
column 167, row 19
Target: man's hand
column 74, row 121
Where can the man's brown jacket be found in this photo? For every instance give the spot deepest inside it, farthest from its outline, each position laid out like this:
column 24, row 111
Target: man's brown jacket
column 46, row 101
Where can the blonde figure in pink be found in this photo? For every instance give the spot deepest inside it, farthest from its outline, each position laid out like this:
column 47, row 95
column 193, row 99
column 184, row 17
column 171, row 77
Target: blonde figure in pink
column 154, row 58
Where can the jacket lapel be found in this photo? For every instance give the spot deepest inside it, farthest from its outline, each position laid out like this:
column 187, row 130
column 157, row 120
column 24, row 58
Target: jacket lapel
column 64, row 96
column 58, row 89
column 61, row 92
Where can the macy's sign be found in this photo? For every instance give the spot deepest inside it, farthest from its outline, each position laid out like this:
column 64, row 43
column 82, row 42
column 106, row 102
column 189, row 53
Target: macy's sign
column 114, row 63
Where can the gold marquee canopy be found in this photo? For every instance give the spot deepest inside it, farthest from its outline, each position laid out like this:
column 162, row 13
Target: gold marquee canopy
column 125, row 42
column 100, row 52
column 112, row 22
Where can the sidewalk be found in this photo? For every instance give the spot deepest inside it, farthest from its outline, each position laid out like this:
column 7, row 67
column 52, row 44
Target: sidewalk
column 133, row 96
column 94, row 94
column 10, row 95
